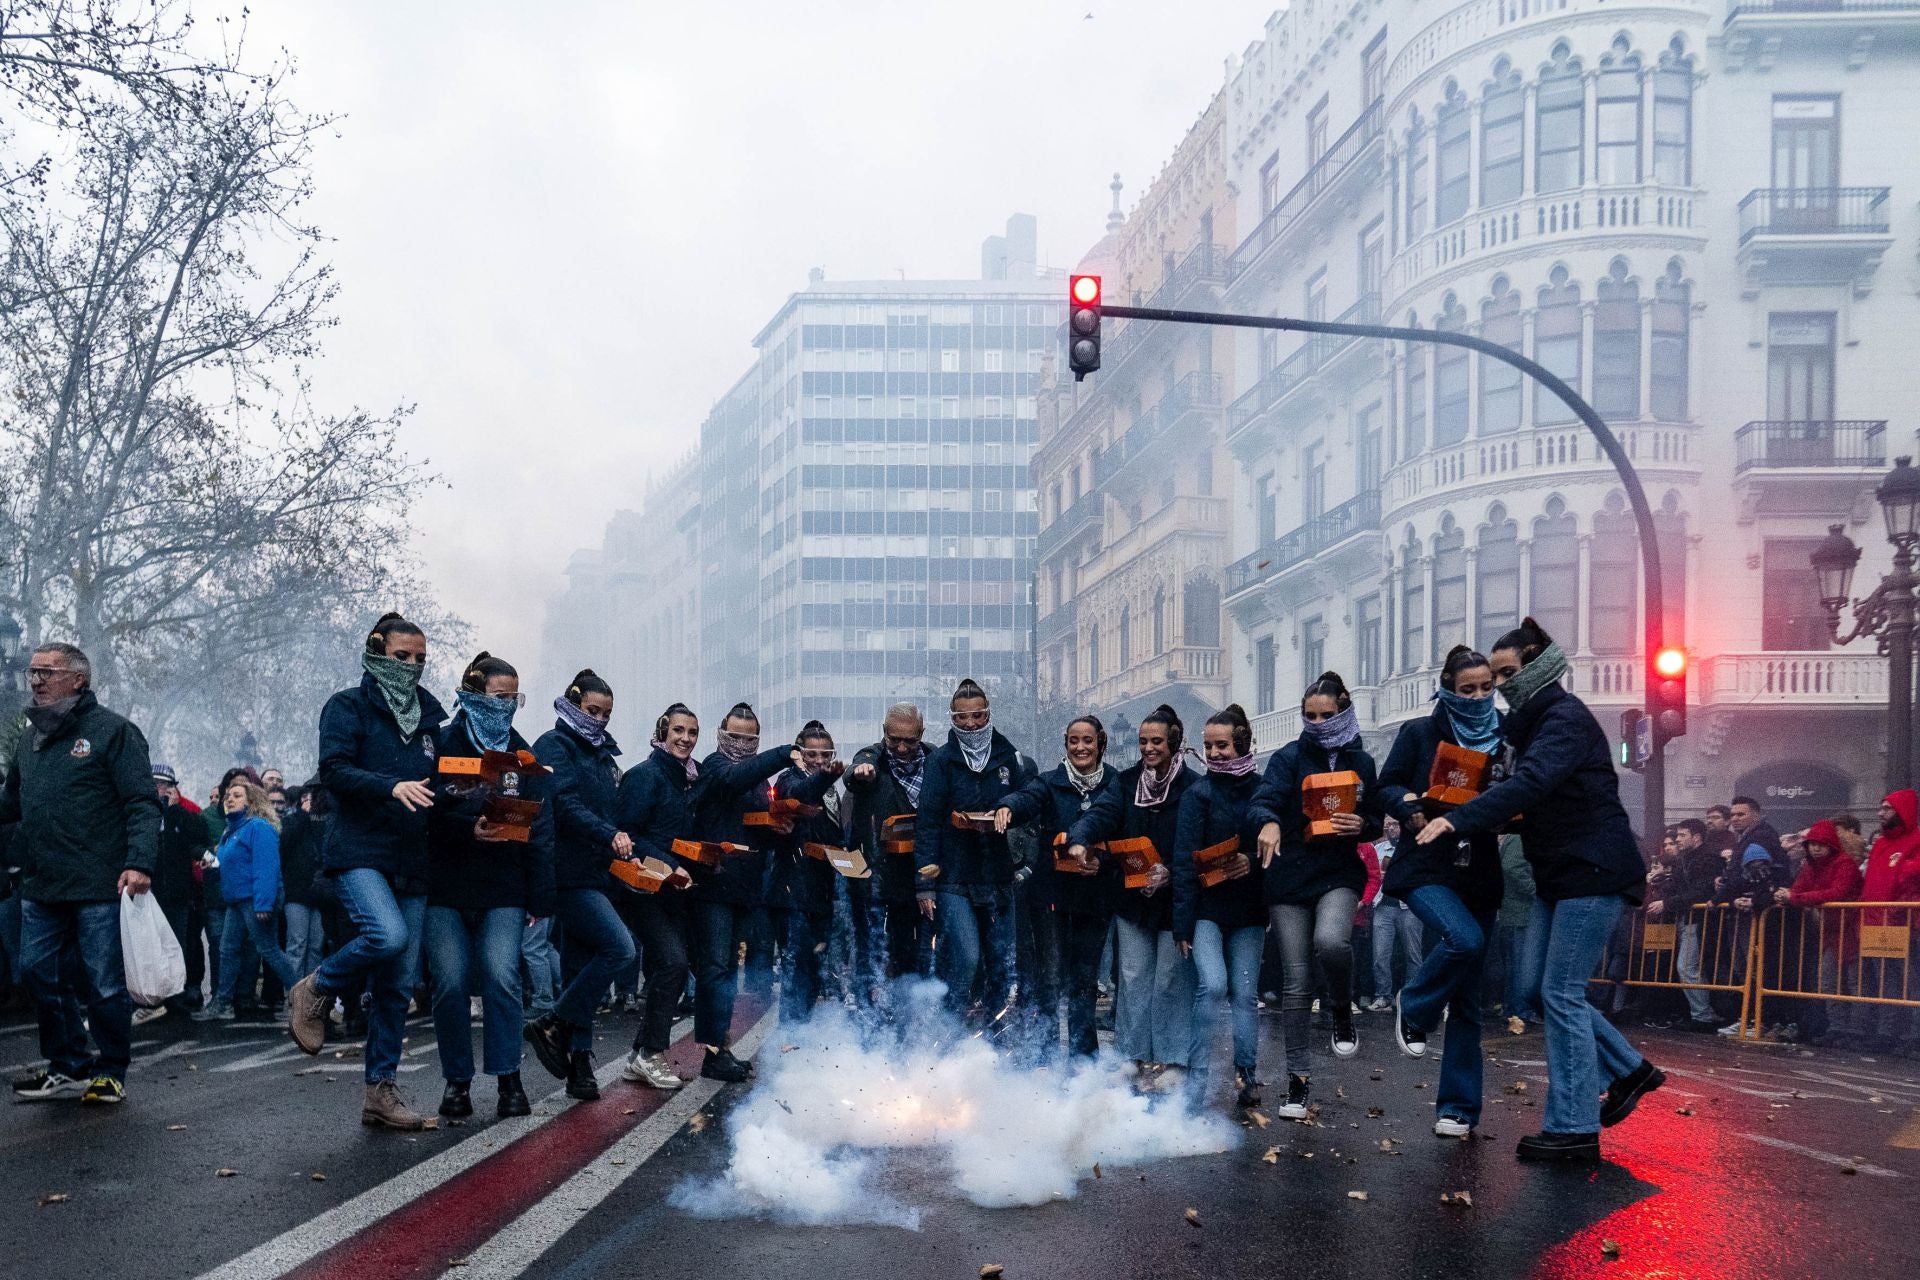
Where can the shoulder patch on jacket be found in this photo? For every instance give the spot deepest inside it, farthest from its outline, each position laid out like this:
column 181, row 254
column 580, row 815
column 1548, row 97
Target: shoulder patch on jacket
column 426, row 745
column 81, row 749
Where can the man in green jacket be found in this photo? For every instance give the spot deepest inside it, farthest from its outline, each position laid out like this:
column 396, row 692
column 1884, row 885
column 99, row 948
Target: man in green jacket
column 81, row 788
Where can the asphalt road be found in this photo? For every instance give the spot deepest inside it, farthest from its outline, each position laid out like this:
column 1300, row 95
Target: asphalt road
column 1754, row 1162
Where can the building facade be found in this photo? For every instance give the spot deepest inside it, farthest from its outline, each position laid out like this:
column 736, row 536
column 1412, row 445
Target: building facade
column 1683, row 210
column 1133, row 473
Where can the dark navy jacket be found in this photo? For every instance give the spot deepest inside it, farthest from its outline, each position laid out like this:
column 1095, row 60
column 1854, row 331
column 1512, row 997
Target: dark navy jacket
column 1304, row 870
column 871, row 804
column 1052, row 800
column 725, row 794
column 655, row 806
column 478, row 875
column 796, row 882
column 967, row 859
column 1214, row 809
column 1114, row 816
column 362, row 756
column 1576, row 835
column 582, row 794
column 1403, row 780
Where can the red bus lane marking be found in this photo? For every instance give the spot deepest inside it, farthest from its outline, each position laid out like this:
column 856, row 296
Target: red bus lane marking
column 468, row 1209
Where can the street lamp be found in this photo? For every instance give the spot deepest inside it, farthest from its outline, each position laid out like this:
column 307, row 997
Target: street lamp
column 1889, row 612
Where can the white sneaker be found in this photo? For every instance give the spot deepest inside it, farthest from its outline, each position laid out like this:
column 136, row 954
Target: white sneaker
column 1346, row 1042
column 45, row 1086
column 145, row 1014
column 1730, row 1030
column 1378, row 1005
column 1448, row 1127
column 651, row 1071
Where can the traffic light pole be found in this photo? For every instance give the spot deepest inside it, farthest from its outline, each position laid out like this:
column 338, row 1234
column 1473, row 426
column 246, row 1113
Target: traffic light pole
column 1653, row 604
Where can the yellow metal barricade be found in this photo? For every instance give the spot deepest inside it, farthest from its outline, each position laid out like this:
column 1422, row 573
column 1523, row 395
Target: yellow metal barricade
column 1859, row 954
column 1703, row 948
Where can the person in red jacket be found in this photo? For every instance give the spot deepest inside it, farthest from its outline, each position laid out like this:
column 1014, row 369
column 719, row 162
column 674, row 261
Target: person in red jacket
column 1892, row 875
column 1826, row 875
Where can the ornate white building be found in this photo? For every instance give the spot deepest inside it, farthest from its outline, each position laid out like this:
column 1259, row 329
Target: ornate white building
column 1701, row 215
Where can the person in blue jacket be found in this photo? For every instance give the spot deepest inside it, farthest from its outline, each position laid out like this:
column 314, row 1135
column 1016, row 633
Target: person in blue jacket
column 1153, row 1005
column 377, row 761
column 1453, row 886
column 1586, row 868
column 250, row 882
column 1222, row 927
column 1082, row 905
column 1314, row 884
column 966, row 887
column 485, row 891
column 582, row 791
column 800, row 887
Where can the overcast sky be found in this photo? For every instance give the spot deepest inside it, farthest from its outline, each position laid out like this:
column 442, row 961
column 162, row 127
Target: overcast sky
column 559, row 225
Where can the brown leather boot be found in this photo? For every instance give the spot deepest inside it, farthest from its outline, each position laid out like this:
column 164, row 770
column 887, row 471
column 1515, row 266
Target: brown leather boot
column 307, row 1016
column 384, row 1109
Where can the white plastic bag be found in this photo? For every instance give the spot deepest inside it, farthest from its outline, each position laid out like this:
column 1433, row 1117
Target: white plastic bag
column 156, row 969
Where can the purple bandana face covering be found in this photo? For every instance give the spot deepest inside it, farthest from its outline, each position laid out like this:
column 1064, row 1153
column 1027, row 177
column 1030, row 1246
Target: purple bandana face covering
column 738, row 746
column 1237, row 767
column 580, row 722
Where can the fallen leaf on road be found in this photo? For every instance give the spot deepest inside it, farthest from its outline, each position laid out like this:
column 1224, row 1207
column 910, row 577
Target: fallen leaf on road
column 1683, row 1111
column 1847, row 1168
column 175, row 1128
column 1306, row 1155
column 629, row 1111
column 54, row 1197
column 319, row 1177
column 991, row 1270
column 1610, row 1249
column 1518, row 1086
column 1272, row 1156
column 1420, row 1084
column 1377, row 1075
column 784, row 1107
column 699, row 1120
column 1464, row 1199
column 433, row 1122
column 1374, row 1113
column 1258, row 1119
column 1388, row 1144
column 618, row 1160
column 788, row 1048
column 1096, row 1169
column 1875, row 1098
column 226, row 1173
column 1356, row 1195
column 1193, row 1217
column 456, row 1262
column 1339, row 1093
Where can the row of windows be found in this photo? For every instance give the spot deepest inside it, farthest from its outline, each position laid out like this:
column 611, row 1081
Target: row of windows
column 920, row 523
column 946, row 429
column 875, row 383
column 914, row 569
column 911, row 475
column 1200, row 619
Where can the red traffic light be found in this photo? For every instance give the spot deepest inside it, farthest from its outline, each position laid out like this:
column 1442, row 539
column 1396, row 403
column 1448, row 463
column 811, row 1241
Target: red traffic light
column 1670, row 663
column 1086, row 289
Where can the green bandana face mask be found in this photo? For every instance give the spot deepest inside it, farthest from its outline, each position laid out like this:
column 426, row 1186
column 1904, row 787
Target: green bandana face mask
column 1535, row 676
column 400, row 685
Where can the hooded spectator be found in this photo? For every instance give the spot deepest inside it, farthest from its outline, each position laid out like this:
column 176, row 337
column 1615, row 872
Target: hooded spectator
column 1892, row 875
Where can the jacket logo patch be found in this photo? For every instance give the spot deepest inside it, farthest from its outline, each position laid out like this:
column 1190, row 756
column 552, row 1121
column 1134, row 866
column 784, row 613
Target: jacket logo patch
column 81, row 749
column 510, row 784
column 426, row 745
column 1006, row 779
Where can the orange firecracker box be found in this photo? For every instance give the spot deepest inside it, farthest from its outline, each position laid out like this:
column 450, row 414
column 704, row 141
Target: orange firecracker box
column 980, row 822
column 648, row 875
column 896, row 835
column 1219, row 863
column 1072, row 866
column 1325, row 794
column 503, row 774
column 848, row 862
column 1458, row 775
column 1137, row 857
column 707, row 853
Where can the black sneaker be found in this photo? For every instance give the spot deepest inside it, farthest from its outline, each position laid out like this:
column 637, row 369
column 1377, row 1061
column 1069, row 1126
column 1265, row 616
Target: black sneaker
column 580, row 1082
column 1624, row 1094
column 1412, row 1043
column 549, row 1037
column 1249, row 1089
column 1545, row 1146
column 513, row 1097
column 1346, row 1041
column 1295, row 1107
column 457, row 1102
column 724, row 1067
column 105, row 1090
column 45, row 1086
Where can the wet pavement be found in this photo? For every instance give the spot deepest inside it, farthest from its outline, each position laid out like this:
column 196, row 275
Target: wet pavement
column 1753, row 1162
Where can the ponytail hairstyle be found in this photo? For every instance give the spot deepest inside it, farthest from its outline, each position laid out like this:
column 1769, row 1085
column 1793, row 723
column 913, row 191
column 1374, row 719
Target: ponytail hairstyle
column 677, row 709
column 390, row 624
column 810, row 731
column 1328, row 685
column 585, row 683
column 1234, row 717
column 1167, row 716
column 1099, row 730
column 1529, row 640
column 1462, row 657
column 965, row 690
column 740, row 711
column 482, row 669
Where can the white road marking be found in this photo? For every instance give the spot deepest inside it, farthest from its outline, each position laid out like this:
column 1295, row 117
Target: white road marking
column 517, row 1246
column 1826, row 1157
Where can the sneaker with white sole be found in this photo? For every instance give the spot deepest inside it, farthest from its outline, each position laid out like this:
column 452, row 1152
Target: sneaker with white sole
column 148, row 1013
column 1412, row 1043
column 1731, row 1030
column 1346, row 1041
column 1451, row 1127
column 651, row 1070
column 105, row 1089
column 45, row 1086
column 1295, row 1107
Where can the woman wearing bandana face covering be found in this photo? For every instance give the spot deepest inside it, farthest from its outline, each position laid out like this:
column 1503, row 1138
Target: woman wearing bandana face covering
column 1586, row 868
column 1314, row 885
column 799, row 887
column 969, row 893
column 1453, row 886
column 484, row 892
column 377, row 760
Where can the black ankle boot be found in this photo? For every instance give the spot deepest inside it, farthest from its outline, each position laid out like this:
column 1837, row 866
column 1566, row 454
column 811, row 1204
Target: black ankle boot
column 456, row 1103
column 580, row 1081
column 724, row 1067
column 513, row 1098
column 549, row 1037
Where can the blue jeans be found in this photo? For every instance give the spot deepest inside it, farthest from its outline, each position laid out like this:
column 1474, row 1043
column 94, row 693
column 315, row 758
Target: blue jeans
column 542, row 959
column 599, row 945
column 455, row 941
column 243, row 927
column 1393, row 923
column 1563, row 946
column 1449, row 979
column 716, row 930
column 1153, row 1009
column 306, row 937
column 1513, row 952
column 51, row 933
column 972, row 933
column 800, row 964
column 385, row 953
column 1224, row 966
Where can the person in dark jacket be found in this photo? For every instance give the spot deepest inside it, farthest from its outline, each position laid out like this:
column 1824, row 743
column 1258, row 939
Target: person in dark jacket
column 302, row 850
column 250, row 880
column 484, row 890
column 1453, row 887
column 1688, row 884
column 798, row 886
column 583, row 792
column 1313, row 884
column 1153, row 1006
column 1586, row 868
column 966, row 881
column 1220, row 927
column 377, row 760
column 891, row 937
column 176, row 887
column 1748, row 823
column 1081, row 903
column 81, row 788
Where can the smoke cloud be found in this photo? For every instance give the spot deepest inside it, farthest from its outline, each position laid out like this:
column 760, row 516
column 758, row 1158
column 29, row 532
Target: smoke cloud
column 829, row 1102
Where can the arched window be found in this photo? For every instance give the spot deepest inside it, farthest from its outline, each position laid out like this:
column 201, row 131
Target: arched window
column 1500, row 382
column 1554, row 578
column 1616, row 124
column 1672, row 309
column 1500, row 112
column 1496, row 578
column 1450, row 407
column 1093, row 654
column 1452, row 174
column 1556, row 345
column 1413, row 403
column 1670, row 531
column 1413, row 606
column 1159, row 619
column 1126, row 637
column 1673, row 118
column 1614, row 579
column 1560, row 117
column 1201, row 613
column 1449, row 587
column 1616, row 345
column 1417, row 145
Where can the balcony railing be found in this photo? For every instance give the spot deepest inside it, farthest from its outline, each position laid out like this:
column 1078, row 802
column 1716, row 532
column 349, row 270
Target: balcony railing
column 1085, row 513
column 1786, row 445
column 1346, row 150
column 1814, row 211
column 1314, row 354
column 1059, row 623
column 1794, row 679
column 1204, row 264
column 1747, row 7
column 1358, row 514
column 1198, row 390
